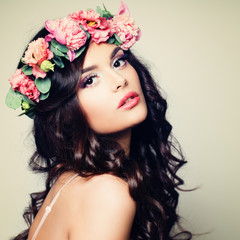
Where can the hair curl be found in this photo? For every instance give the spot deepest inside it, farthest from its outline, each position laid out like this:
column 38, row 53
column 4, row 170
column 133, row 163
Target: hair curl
column 150, row 169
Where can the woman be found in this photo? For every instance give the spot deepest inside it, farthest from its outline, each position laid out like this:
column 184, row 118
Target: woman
column 100, row 131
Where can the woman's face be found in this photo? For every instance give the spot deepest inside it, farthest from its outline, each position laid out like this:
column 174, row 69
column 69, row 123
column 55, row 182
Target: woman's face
column 110, row 93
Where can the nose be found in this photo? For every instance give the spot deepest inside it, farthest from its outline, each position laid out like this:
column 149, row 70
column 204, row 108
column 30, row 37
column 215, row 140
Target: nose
column 117, row 81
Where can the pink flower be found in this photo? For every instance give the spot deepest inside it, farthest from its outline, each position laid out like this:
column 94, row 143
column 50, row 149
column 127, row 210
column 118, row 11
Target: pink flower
column 23, row 84
column 16, row 79
column 124, row 26
column 123, row 9
column 37, row 52
column 99, row 35
column 98, row 27
column 66, row 31
column 38, row 72
column 76, row 16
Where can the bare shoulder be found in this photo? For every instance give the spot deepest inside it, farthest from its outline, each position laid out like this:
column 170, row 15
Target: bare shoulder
column 110, row 191
column 107, row 186
column 101, row 209
column 102, row 187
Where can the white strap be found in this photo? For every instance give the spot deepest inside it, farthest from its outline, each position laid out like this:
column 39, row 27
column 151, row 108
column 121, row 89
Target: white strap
column 48, row 209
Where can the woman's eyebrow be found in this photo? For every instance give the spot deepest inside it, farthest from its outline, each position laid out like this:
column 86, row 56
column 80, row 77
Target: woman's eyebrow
column 113, row 54
column 88, row 69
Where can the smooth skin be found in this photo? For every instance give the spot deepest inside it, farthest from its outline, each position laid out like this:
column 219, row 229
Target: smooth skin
column 98, row 207
column 107, row 77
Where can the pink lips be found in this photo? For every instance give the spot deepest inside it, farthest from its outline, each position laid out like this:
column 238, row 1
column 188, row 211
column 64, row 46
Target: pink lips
column 130, row 100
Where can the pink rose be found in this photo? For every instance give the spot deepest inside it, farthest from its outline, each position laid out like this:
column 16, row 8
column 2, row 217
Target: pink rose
column 98, row 27
column 100, row 35
column 29, row 89
column 23, row 84
column 37, row 52
column 124, row 26
column 16, row 79
column 66, row 31
column 88, row 18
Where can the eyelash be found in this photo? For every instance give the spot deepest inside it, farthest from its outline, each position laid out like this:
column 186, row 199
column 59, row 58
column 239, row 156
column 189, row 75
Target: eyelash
column 86, row 79
column 121, row 58
column 94, row 75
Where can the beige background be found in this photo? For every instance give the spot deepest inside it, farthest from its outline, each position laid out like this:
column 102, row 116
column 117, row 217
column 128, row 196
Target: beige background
column 193, row 48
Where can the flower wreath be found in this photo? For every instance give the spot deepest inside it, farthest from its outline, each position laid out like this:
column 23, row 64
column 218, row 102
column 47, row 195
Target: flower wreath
column 66, row 39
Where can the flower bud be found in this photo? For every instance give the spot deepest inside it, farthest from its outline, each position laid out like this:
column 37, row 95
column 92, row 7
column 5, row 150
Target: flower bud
column 25, row 105
column 46, row 66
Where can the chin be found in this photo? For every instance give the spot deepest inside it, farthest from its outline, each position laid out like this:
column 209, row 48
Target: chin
column 140, row 118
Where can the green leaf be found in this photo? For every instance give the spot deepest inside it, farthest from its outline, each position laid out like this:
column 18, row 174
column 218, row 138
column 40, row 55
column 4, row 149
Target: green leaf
column 118, row 40
column 13, row 99
column 66, row 56
column 106, row 13
column 43, row 85
column 79, row 51
column 43, row 96
column 87, row 33
column 58, row 61
column 59, row 46
column 27, row 70
column 30, row 113
column 55, row 51
column 105, row 8
column 26, row 99
column 99, row 10
column 111, row 40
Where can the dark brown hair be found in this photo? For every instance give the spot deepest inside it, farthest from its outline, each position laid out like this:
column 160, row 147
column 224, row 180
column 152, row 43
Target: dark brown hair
column 65, row 142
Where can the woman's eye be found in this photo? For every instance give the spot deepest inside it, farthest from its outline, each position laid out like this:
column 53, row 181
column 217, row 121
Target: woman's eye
column 89, row 81
column 119, row 62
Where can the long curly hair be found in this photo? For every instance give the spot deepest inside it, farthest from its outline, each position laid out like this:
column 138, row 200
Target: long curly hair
column 65, row 142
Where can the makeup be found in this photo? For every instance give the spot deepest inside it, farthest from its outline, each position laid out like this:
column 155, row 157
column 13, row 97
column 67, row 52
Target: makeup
column 129, row 101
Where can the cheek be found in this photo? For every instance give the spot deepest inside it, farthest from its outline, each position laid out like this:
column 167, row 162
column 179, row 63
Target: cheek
column 133, row 79
column 95, row 110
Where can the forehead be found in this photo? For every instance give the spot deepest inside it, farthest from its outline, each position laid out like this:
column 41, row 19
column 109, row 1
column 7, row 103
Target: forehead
column 98, row 53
